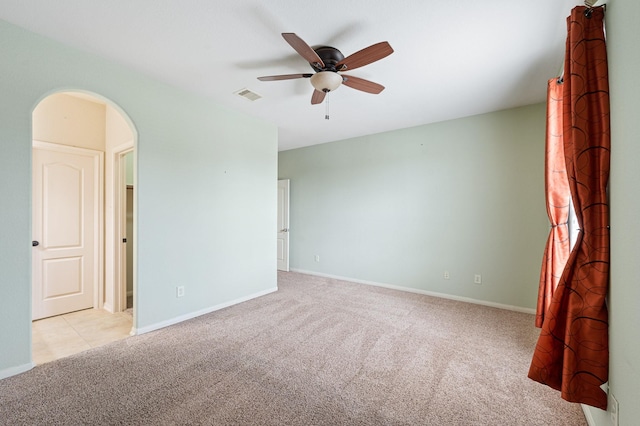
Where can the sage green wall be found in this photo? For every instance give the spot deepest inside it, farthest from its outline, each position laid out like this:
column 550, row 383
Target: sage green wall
column 400, row 208
column 206, row 186
column 622, row 18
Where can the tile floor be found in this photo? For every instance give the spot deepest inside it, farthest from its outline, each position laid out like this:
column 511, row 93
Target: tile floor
column 65, row 335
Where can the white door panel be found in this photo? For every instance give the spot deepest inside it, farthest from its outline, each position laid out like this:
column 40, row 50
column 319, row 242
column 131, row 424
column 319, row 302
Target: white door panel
column 66, row 224
column 62, row 203
column 61, row 277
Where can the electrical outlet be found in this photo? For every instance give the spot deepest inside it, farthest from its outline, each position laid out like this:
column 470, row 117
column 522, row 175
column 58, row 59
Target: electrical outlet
column 477, row 279
column 180, row 291
column 446, row 275
column 613, row 409
column 317, row 258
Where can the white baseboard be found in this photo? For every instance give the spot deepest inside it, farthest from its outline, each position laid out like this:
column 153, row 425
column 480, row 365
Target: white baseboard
column 8, row 372
column 587, row 415
column 191, row 315
column 108, row 307
column 424, row 292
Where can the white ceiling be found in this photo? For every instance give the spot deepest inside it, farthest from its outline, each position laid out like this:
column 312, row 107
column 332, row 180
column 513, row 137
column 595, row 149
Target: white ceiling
column 452, row 58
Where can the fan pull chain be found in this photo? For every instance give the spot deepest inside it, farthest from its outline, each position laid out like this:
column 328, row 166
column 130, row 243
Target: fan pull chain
column 326, row 114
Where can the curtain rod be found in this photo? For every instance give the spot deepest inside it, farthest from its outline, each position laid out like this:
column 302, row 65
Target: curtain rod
column 590, row 4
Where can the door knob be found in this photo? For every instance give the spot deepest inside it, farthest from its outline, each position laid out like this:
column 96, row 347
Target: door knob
column 284, row 230
column 35, row 243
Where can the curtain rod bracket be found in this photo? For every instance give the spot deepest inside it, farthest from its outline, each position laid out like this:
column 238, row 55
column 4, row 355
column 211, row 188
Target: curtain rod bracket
column 590, row 5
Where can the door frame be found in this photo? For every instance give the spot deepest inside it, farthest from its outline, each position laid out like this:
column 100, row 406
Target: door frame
column 117, row 288
column 98, row 231
column 283, row 209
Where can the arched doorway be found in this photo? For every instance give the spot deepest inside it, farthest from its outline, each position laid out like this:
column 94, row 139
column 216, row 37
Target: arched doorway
column 80, row 178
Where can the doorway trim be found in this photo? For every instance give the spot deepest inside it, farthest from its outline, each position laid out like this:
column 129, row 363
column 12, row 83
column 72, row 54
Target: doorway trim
column 117, row 288
column 108, row 289
column 283, row 225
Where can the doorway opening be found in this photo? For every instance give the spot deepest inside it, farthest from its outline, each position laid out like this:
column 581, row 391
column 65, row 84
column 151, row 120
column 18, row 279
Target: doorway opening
column 283, row 225
column 124, row 203
column 83, row 162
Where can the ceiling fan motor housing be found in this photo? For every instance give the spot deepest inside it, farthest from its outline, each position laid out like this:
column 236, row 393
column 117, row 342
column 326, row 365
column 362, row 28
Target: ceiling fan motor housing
column 330, row 56
column 328, row 62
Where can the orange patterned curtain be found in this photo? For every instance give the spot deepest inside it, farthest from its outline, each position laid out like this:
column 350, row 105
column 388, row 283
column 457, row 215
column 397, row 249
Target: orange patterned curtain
column 572, row 353
column 558, row 198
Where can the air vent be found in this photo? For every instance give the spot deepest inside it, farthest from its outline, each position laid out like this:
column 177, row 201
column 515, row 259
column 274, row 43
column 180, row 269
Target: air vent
column 248, row 94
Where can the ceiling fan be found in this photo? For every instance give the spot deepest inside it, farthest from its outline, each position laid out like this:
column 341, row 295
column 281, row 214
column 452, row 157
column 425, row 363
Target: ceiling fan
column 328, row 62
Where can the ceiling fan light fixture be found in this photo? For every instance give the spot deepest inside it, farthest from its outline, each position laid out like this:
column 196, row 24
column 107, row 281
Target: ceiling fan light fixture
column 326, row 81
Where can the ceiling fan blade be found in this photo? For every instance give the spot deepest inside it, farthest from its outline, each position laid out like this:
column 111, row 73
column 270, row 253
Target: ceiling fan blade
column 362, row 84
column 303, row 49
column 283, row 77
column 317, row 97
column 365, row 56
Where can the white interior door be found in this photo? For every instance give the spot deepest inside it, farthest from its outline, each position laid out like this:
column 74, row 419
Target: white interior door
column 283, row 225
column 66, row 228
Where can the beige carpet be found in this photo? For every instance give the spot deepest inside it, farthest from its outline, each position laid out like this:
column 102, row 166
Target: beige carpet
column 317, row 352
